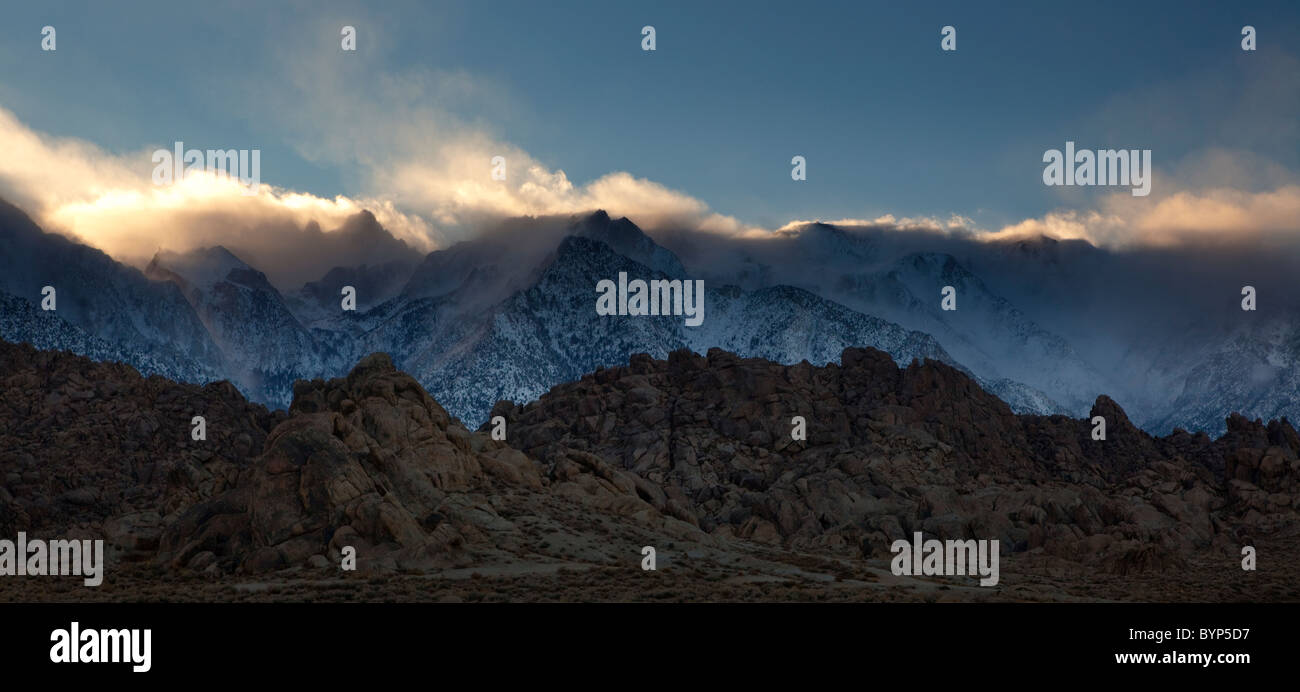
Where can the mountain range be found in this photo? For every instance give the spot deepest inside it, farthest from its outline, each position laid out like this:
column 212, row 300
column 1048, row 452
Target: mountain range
column 1045, row 325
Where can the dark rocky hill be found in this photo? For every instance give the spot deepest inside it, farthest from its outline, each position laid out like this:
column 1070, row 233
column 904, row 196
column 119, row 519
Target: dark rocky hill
column 692, row 455
column 891, row 451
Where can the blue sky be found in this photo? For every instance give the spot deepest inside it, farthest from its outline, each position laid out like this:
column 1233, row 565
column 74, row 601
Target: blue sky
column 887, row 121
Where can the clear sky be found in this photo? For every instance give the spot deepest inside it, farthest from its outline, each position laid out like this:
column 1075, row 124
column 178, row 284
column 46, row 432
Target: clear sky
column 888, row 122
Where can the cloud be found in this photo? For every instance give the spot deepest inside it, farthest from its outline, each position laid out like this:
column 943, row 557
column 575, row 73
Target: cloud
column 427, row 191
column 420, row 138
column 109, row 201
column 1205, row 216
column 1210, row 216
column 955, row 223
column 415, row 148
column 405, row 141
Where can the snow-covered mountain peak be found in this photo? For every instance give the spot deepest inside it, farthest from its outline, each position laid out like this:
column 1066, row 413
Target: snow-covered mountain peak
column 625, row 238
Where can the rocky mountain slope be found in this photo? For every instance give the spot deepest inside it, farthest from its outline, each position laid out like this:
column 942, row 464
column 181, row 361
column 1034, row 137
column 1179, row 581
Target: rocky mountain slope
column 21, row 321
column 93, row 450
column 551, row 333
column 1159, row 329
column 147, row 323
column 986, row 332
column 1046, row 326
column 264, row 346
column 507, row 315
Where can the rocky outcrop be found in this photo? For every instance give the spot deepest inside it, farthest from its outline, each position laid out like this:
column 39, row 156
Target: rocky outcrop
column 94, row 449
column 1262, row 470
column 368, row 461
column 890, row 451
column 693, row 453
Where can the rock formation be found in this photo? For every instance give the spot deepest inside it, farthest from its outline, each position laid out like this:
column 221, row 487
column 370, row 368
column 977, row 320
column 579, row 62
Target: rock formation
column 694, row 454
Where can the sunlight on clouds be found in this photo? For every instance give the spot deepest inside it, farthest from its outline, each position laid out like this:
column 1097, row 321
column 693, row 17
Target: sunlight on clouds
column 110, row 202
column 1206, row 216
column 954, row 223
column 429, row 191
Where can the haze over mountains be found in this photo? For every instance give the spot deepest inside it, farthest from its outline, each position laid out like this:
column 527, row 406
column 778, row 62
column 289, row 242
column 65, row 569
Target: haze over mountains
column 1045, row 325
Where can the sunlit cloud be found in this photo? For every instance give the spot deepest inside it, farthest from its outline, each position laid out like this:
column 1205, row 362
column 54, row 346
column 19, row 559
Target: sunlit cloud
column 426, row 148
column 109, row 201
column 1220, row 216
column 955, row 223
column 424, row 171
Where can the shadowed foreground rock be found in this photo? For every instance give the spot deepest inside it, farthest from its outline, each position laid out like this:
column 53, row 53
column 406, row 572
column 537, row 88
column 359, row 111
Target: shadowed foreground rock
column 892, row 451
column 692, row 455
column 368, row 461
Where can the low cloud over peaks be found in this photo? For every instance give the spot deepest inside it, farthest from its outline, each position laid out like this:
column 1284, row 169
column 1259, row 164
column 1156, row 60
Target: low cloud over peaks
column 110, row 202
column 1218, row 216
column 420, row 166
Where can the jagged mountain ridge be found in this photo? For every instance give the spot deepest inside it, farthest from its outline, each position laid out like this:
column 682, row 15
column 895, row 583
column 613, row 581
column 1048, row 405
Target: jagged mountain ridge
column 23, row 322
column 445, row 327
column 100, row 305
column 1149, row 326
column 879, row 276
column 441, row 312
column 551, row 333
column 317, row 302
column 264, row 345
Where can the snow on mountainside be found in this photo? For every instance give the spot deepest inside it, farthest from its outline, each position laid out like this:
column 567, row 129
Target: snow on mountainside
column 1166, row 326
column 786, row 324
column 879, row 275
column 105, row 299
column 988, row 328
column 1257, row 369
column 22, row 322
column 551, row 333
column 265, row 347
column 317, row 303
column 1044, row 325
column 506, row 316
